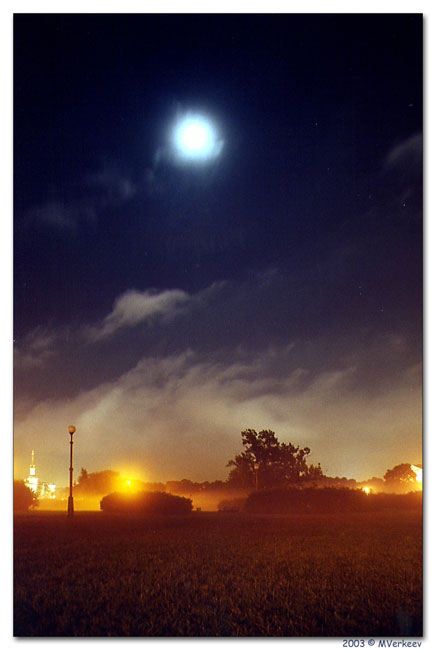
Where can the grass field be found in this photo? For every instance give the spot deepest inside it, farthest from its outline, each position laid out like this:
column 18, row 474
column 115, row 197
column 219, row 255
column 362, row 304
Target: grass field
column 212, row 574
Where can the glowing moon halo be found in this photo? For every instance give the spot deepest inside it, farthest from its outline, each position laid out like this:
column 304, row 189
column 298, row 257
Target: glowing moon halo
column 195, row 138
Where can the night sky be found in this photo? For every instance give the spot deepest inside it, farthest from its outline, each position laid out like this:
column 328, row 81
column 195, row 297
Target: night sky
column 161, row 305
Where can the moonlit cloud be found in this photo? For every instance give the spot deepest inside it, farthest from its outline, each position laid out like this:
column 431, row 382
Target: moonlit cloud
column 36, row 349
column 134, row 307
column 114, row 186
column 408, row 152
column 403, row 168
column 103, row 189
column 60, row 215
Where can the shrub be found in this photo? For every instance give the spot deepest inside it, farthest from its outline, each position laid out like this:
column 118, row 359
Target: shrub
column 326, row 500
column 231, row 505
column 159, row 503
column 24, row 498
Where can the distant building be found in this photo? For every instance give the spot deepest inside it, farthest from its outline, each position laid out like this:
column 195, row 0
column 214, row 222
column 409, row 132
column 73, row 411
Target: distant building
column 41, row 489
column 32, row 480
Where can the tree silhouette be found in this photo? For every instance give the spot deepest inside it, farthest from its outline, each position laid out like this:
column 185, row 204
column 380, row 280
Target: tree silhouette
column 266, row 462
column 97, row 482
column 24, row 498
column 400, row 474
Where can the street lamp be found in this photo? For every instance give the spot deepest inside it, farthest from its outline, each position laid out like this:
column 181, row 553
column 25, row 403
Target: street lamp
column 71, row 431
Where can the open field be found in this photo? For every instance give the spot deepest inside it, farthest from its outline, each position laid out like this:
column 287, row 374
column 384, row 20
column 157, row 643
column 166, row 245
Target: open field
column 212, row 574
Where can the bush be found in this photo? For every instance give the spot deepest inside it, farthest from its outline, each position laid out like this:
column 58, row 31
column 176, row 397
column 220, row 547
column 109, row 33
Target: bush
column 156, row 503
column 327, row 500
column 24, row 498
column 231, row 505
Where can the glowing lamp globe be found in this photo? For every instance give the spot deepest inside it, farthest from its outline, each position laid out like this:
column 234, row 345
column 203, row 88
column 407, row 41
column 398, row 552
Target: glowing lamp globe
column 71, row 429
column 196, row 139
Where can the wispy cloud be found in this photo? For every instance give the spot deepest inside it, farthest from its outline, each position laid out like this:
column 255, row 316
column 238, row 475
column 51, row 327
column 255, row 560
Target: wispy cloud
column 134, row 307
column 403, row 167
column 36, row 349
column 115, row 187
column 62, row 215
column 106, row 188
column 408, row 152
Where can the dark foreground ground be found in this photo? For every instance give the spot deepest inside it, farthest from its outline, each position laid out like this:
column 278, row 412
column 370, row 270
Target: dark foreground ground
column 212, row 574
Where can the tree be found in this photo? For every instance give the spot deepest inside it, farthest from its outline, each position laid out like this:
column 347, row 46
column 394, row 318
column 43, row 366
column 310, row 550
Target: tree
column 243, row 473
column 83, row 476
column 24, row 498
column 97, row 482
column 400, row 474
column 266, row 462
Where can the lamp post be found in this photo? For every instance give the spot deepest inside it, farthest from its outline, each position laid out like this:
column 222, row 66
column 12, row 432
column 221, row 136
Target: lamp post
column 71, row 431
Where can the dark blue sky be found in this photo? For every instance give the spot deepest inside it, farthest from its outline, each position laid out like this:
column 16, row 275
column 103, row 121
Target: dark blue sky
column 294, row 258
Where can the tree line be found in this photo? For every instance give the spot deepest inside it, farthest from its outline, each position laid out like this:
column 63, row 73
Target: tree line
column 265, row 463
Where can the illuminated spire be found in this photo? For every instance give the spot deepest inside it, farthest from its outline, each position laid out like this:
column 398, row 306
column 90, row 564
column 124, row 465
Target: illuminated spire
column 32, row 480
column 32, row 466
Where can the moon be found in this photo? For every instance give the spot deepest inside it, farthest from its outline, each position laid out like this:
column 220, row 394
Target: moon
column 195, row 138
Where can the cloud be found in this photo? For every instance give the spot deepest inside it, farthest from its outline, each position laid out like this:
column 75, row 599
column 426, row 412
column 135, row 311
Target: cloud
column 61, row 215
column 115, row 187
column 36, row 349
column 181, row 416
column 406, row 153
column 403, row 171
column 107, row 188
column 134, row 307
column 220, row 320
